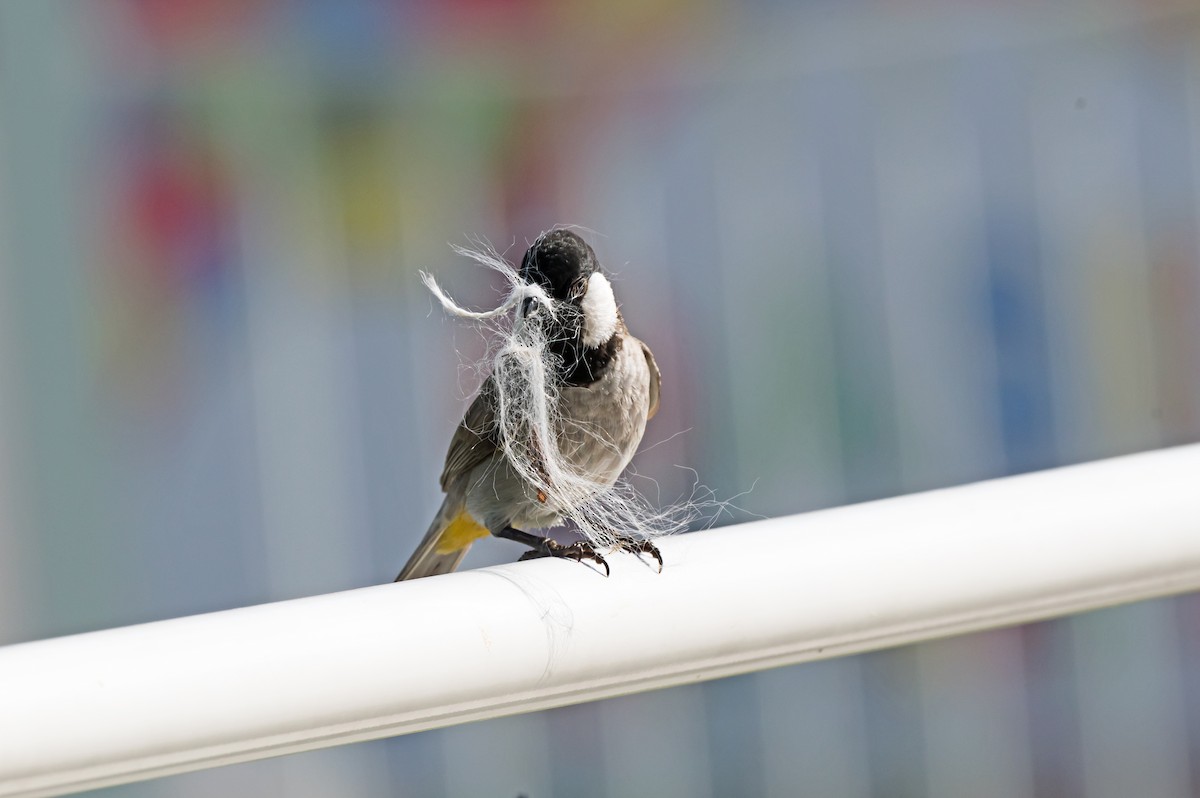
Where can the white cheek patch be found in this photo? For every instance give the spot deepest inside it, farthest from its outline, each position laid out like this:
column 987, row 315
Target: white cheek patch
column 599, row 308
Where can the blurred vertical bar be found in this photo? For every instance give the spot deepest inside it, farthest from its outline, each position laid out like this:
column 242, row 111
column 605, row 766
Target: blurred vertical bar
column 16, row 560
column 841, row 109
column 933, row 257
column 693, row 232
column 1084, row 116
column 935, row 272
column 1168, row 117
column 1185, row 312
column 1133, row 730
column 995, row 89
column 844, row 114
column 657, row 744
column 1188, row 618
column 300, row 344
column 509, row 756
column 998, row 85
column 975, row 716
column 75, row 570
column 576, row 743
column 786, row 426
column 392, row 375
column 815, row 733
column 785, row 417
column 300, row 359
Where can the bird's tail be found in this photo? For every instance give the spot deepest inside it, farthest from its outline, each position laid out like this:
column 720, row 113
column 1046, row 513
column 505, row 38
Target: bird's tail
column 445, row 544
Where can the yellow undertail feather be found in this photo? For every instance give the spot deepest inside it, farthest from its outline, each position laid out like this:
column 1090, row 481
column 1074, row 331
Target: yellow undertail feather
column 445, row 544
column 460, row 533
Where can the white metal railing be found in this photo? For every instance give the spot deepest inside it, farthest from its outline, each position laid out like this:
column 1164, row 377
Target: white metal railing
column 127, row 704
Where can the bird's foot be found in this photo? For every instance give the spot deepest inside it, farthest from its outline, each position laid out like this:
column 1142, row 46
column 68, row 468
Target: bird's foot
column 578, row 551
column 641, row 546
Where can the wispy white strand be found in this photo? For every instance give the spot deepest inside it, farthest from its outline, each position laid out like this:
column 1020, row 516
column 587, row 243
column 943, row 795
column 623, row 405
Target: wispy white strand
column 519, row 292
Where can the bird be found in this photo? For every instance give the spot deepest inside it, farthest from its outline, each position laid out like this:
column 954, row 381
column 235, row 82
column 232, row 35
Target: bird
column 607, row 387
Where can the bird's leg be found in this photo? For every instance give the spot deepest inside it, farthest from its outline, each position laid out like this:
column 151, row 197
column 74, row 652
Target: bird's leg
column 548, row 547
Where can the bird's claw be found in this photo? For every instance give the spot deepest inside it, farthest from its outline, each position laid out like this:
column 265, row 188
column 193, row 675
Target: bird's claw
column 640, row 546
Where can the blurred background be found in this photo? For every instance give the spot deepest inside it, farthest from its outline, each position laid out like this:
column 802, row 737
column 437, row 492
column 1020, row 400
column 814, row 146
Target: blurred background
column 877, row 247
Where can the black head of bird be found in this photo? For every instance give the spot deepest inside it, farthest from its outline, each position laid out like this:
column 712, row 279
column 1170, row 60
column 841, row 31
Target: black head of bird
column 584, row 333
column 562, row 263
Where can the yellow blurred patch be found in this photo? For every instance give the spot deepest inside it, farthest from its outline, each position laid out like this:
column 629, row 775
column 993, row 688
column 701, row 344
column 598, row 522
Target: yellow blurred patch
column 462, row 532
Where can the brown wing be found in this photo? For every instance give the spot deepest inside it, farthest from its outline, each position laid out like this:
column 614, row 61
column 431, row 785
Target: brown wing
column 655, row 380
column 475, row 439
